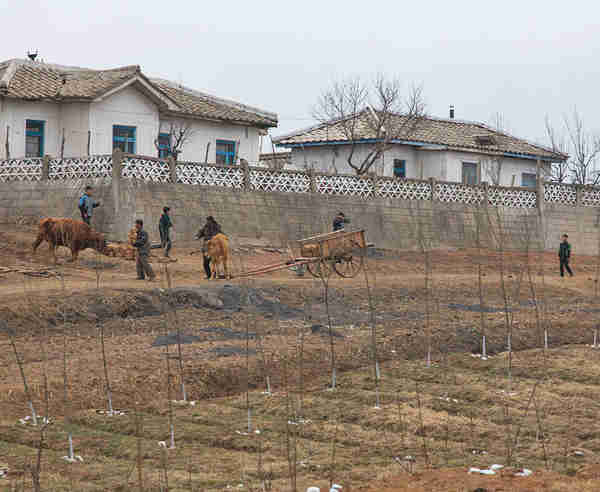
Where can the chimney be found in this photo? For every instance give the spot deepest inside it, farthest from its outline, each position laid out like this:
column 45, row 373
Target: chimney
column 452, row 111
column 31, row 55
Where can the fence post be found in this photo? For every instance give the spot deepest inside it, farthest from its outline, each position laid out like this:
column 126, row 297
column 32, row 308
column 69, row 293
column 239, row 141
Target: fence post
column 579, row 189
column 247, row 185
column 486, row 193
column 374, row 185
column 45, row 168
column 313, row 181
column 433, row 185
column 172, row 168
column 117, row 164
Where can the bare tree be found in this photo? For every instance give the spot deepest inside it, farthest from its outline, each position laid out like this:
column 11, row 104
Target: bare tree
column 559, row 171
column 180, row 132
column 585, row 148
column 379, row 112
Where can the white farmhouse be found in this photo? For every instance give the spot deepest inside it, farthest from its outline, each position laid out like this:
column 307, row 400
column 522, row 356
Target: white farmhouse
column 444, row 149
column 56, row 110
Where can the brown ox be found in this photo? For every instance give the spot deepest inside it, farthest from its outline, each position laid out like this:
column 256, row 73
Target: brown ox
column 73, row 234
column 217, row 249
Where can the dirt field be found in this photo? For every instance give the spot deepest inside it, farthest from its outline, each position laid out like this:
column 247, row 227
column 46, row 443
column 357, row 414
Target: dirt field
column 413, row 428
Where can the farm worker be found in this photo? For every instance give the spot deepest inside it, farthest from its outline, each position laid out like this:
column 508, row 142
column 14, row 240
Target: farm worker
column 87, row 205
column 564, row 255
column 340, row 221
column 163, row 228
column 142, row 243
column 210, row 230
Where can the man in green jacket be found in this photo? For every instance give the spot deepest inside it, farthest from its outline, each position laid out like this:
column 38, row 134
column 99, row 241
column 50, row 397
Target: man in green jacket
column 164, row 226
column 142, row 244
column 564, row 255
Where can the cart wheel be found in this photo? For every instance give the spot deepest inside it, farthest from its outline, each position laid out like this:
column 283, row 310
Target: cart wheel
column 319, row 269
column 348, row 263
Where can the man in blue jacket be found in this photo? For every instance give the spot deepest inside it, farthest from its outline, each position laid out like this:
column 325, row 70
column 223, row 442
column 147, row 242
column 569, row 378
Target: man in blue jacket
column 87, row 205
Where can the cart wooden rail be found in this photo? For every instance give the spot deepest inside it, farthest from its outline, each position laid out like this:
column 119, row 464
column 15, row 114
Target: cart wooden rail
column 340, row 251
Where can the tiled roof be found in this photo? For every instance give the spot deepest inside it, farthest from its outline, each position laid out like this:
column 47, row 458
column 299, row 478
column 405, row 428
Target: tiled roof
column 454, row 134
column 24, row 79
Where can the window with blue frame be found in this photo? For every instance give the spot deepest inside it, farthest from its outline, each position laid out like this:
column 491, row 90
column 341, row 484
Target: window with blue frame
column 164, row 145
column 34, row 138
column 124, row 138
column 528, row 180
column 225, row 152
column 399, row 168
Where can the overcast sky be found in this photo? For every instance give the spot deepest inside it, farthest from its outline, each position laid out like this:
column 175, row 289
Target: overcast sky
column 525, row 58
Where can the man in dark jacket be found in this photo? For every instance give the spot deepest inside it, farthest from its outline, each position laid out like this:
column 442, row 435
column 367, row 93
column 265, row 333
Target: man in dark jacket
column 564, row 255
column 164, row 225
column 210, row 230
column 87, row 205
column 142, row 244
column 340, row 221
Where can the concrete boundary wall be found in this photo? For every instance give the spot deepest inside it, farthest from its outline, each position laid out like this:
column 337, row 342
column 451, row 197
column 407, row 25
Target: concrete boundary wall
column 277, row 218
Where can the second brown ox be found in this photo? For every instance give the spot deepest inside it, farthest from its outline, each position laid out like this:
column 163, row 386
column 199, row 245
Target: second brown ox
column 217, row 249
column 73, row 234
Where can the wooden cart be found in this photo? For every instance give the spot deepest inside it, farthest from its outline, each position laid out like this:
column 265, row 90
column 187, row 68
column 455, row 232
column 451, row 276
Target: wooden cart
column 339, row 251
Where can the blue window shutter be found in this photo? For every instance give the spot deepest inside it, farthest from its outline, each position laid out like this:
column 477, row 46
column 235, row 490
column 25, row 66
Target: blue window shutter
column 399, row 168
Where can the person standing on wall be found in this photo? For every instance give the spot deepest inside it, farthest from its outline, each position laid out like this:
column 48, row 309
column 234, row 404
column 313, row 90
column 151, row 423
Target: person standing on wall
column 340, row 221
column 87, row 205
column 142, row 244
column 210, row 230
column 564, row 255
column 164, row 226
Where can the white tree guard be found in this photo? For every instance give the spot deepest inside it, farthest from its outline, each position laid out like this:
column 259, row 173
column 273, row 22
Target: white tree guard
column 146, row 169
column 97, row 166
column 403, row 189
column 459, row 193
column 560, row 193
column 280, row 181
column 29, row 169
column 210, row 175
column 511, row 197
column 344, row 185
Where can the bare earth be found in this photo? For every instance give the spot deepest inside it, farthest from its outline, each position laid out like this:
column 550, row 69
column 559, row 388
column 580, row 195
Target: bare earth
column 417, row 428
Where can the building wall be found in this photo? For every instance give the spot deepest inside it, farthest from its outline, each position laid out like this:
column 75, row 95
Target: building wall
column 440, row 164
column 75, row 119
column 204, row 132
column 128, row 107
column 15, row 113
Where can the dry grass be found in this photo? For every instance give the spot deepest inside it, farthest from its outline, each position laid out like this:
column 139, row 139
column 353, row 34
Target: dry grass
column 461, row 405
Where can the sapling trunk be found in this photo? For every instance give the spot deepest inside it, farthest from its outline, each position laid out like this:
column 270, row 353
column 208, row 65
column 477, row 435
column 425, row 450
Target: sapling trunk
column 373, row 324
column 178, row 329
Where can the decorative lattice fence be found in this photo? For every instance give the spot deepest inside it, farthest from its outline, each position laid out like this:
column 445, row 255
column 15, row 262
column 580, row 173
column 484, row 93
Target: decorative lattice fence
column 344, row 185
column 280, row 181
column 29, row 169
column 560, row 193
column 512, row 197
column 404, row 189
column 146, row 169
column 210, row 175
column 459, row 193
column 97, row 166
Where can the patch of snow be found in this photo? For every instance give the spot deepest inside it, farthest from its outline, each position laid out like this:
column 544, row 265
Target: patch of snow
column 496, row 467
column 482, row 471
column 524, row 473
column 335, row 487
column 578, row 452
column 162, row 444
column 28, row 419
column 313, row 489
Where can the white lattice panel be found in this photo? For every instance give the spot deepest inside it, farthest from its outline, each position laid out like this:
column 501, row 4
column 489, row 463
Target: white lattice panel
column 98, row 166
column 146, row 169
column 511, row 197
column 287, row 182
column 404, row 189
column 458, row 193
column 344, row 185
column 210, row 175
column 560, row 193
column 21, row 169
column 591, row 197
